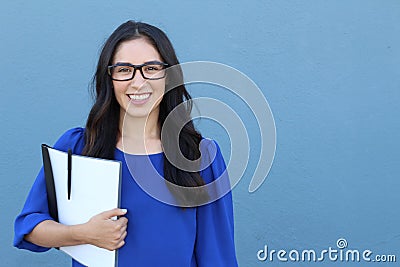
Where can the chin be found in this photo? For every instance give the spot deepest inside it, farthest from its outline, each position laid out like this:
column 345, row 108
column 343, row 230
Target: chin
column 139, row 112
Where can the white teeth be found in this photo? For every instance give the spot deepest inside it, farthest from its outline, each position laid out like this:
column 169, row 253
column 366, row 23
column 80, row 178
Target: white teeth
column 139, row 97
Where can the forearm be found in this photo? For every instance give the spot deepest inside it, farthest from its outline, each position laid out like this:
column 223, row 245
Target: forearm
column 53, row 234
column 101, row 231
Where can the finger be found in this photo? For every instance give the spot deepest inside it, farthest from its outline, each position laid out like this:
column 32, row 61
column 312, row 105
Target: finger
column 120, row 244
column 123, row 229
column 117, row 243
column 112, row 213
column 122, row 221
column 123, row 236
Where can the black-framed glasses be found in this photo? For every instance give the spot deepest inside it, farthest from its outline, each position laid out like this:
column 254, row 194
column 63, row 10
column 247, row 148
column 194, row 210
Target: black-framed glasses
column 153, row 70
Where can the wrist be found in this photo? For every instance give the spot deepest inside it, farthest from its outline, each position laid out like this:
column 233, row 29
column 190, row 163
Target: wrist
column 79, row 234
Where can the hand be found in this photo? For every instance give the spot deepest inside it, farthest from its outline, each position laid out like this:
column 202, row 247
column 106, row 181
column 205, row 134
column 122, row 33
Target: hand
column 104, row 232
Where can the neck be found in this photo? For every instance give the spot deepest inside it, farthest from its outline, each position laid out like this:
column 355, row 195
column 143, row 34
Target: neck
column 139, row 135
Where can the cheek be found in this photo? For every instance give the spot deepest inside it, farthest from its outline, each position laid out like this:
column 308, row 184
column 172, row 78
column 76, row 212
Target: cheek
column 159, row 87
column 119, row 88
column 119, row 93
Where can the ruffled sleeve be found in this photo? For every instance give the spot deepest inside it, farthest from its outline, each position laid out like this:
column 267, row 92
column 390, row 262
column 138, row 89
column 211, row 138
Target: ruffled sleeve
column 36, row 208
column 215, row 232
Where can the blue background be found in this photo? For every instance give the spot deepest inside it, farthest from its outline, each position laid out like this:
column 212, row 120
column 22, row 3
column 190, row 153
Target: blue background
column 330, row 71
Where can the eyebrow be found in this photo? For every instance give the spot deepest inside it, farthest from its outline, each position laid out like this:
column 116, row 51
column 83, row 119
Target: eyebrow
column 147, row 62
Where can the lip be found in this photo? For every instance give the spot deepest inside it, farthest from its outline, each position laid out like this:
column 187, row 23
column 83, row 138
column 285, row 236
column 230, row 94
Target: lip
column 139, row 99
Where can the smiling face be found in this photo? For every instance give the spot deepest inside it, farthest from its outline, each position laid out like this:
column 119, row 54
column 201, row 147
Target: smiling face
column 138, row 97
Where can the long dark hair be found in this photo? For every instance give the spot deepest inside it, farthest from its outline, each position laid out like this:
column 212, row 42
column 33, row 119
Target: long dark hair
column 102, row 127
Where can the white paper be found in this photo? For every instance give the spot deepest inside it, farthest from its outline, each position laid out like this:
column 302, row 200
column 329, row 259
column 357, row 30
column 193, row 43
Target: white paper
column 94, row 189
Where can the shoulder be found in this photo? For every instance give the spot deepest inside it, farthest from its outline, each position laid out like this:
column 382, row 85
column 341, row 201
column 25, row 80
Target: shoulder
column 73, row 139
column 210, row 150
column 212, row 161
column 214, row 170
column 209, row 146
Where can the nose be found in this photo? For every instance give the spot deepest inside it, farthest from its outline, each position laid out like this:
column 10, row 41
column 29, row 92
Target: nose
column 138, row 79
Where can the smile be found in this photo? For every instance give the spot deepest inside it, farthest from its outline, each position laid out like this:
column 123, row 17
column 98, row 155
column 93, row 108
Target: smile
column 139, row 96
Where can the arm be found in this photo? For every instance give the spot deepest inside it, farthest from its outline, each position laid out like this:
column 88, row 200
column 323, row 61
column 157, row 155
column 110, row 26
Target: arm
column 215, row 238
column 100, row 231
column 36, row 230
column 215, row 244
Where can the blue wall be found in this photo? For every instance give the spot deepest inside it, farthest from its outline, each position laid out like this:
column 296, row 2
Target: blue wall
column 329, row 69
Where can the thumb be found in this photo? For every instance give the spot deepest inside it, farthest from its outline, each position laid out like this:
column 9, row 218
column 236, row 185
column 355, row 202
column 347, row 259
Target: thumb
column 112, row 213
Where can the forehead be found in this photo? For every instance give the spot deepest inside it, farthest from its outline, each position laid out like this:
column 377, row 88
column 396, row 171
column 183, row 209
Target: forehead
column 136, row 51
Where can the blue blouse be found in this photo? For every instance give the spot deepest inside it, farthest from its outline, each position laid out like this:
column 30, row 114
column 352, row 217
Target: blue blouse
column 158, row 234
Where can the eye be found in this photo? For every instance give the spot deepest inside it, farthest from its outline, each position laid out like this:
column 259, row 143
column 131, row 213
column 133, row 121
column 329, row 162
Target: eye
column 123, row 69
column 152, row 68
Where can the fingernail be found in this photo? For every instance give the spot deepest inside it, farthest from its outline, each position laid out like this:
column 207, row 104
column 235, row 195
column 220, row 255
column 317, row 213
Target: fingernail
column 124, row 210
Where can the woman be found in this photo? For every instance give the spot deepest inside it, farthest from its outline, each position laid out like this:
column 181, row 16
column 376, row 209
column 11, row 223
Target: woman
column 126, row 121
